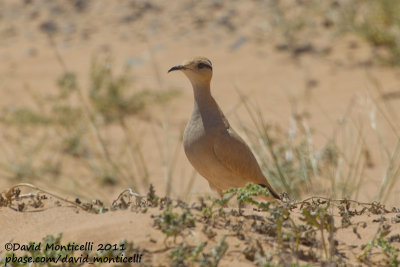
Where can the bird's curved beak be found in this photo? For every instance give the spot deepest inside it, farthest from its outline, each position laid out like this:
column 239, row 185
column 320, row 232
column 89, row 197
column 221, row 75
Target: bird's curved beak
column 179, row 67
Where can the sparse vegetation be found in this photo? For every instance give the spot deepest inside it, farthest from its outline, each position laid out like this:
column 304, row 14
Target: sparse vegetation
column 378, row 23
column 76, row 119
column 292, row 161
column 172, row 224
column 390, row 252
column 87, row 130
column 276, row 234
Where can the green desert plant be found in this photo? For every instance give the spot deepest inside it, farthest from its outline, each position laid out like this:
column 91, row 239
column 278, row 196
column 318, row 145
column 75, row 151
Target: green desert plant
column 378, row 23
column 174, row 224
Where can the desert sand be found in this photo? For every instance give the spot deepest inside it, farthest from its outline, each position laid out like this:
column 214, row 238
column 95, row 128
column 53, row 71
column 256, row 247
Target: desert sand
column 290, row 62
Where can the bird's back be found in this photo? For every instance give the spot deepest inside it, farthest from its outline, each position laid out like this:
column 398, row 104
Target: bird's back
column 217, row 152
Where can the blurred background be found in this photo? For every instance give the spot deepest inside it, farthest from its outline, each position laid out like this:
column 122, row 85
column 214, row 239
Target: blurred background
column 87, row 108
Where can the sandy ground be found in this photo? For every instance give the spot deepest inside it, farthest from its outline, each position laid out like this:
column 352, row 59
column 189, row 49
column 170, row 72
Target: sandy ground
column 333, row 81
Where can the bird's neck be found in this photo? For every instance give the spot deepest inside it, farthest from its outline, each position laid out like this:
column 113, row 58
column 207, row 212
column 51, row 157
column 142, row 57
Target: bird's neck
column 201, row 89
column 202, row 93
column 206, row 108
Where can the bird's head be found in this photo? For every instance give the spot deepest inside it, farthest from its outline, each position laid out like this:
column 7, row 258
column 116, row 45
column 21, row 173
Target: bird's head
column 198, row 70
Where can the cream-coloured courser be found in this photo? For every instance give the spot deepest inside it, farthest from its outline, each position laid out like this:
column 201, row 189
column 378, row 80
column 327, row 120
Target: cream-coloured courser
column 214, row 149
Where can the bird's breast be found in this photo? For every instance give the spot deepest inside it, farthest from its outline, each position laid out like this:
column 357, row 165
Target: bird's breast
column 198, row 142
column 195, row 138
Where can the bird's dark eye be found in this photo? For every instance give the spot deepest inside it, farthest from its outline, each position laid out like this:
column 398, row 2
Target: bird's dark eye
column 203, row 66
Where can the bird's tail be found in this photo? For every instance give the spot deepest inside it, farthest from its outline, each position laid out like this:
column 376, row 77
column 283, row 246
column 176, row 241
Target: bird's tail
column 272, row 191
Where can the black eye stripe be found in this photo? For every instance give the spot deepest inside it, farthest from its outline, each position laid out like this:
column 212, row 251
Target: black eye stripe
column 203, row 65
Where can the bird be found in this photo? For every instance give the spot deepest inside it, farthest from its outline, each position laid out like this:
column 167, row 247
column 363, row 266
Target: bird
column 211, row 145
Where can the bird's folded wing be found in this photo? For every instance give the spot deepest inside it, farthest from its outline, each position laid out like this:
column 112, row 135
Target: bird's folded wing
column 236, row 156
